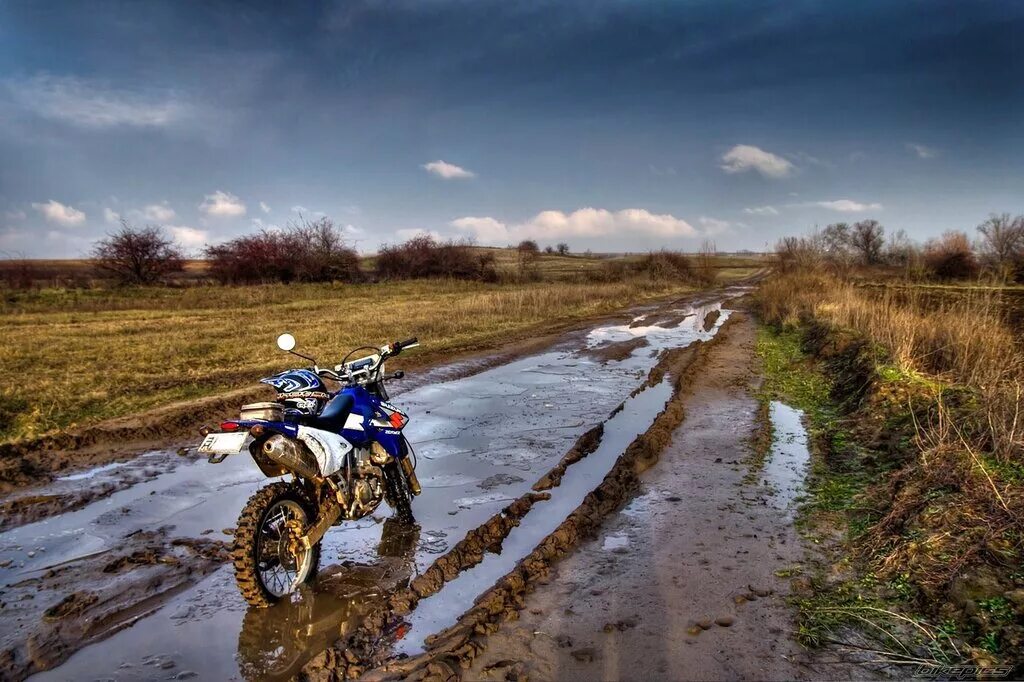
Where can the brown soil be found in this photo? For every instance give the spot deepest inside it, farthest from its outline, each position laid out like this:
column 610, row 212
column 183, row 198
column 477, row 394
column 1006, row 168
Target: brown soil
column 49, row 616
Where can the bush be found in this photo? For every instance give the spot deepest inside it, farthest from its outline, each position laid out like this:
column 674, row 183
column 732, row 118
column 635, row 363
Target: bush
column 425, row 257
column 661, row 265
column 138, row 255
column 303, row 252
column 951, row 257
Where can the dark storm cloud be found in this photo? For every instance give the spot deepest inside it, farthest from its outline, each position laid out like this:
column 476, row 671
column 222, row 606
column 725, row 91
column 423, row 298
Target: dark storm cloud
column 340, row 106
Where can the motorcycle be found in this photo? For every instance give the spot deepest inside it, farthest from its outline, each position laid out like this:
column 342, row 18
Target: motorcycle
column 344, row 450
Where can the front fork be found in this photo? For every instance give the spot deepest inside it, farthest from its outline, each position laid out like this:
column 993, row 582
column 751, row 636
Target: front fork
column 410, row 474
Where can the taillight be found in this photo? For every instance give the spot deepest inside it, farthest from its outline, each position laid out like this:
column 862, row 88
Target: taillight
column 229, row 426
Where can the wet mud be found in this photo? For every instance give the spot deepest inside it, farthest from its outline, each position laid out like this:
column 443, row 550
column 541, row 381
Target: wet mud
column 440, row 654
column 494, row 439
column 49, row 614
column 688, row 580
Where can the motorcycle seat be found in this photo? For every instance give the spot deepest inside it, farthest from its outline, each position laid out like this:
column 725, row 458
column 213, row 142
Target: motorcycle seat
column 332, row 417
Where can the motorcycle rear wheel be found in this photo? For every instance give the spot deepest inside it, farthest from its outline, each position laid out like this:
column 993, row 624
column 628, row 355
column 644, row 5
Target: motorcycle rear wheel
column 265, row 570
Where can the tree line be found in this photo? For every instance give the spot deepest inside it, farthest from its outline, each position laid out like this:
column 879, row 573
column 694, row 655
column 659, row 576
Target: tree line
column 998, row 249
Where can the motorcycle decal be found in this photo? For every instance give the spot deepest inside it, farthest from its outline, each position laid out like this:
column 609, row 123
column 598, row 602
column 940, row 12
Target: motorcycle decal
column 329, row 449
column 354, row 422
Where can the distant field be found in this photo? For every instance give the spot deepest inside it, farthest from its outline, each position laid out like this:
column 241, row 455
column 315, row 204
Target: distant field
column 80, row 272
column 79, row 356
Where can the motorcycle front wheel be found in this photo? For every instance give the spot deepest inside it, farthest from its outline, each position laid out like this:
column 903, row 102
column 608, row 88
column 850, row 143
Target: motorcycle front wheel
column 265, row 569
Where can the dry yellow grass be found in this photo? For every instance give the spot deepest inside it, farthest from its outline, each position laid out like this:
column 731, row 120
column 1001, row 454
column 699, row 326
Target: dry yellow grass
column 73, row 357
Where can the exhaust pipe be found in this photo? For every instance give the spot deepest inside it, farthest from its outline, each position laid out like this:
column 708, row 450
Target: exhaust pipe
column 292, row 455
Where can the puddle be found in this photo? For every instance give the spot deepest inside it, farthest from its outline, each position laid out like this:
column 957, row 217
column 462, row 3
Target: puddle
column 785, row 469
column 442, row 609
column 503, row 427
column 92, row 473
column 615, row 541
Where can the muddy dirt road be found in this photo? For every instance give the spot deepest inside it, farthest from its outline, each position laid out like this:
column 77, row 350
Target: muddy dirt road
column 133, row 585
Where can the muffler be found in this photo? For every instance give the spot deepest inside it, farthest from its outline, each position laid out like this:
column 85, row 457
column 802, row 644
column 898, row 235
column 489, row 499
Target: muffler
column 292, row 455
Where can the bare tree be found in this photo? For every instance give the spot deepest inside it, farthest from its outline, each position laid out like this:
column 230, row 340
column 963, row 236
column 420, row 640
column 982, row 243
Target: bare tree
column 562, row 248
column 138, row 255
column 1002, row 241
column 528, row 254
column 867, row 239
column 706, row 262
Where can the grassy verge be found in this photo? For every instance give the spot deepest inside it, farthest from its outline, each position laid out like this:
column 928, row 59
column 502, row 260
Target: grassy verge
column 894, row 512
column 75, row 357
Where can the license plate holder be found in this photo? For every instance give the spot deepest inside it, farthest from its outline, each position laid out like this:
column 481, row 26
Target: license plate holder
column 223, row 443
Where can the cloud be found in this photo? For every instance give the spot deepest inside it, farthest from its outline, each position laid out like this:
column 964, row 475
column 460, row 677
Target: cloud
column 222, row 205
column 111, row 216
column 303, row 211
column 485, row 228
column 744, row 157
column 157, row 213
column 56, row 212
column 189, row 237
column 922, row 151
column 448, row 171
column 91, row 104
column 761, row 210
column 15, row 215
column 264, row 207
column 713, row 226
column 845, row 206
column 406, row 234
column 584, row 222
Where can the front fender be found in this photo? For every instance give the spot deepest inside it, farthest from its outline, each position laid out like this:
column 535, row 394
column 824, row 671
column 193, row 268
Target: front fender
column 393, row 442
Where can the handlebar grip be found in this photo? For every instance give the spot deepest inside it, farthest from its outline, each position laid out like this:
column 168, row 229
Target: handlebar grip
column 408, row 342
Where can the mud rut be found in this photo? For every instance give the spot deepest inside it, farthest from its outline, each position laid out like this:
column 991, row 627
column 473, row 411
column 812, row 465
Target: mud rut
column 520, row 461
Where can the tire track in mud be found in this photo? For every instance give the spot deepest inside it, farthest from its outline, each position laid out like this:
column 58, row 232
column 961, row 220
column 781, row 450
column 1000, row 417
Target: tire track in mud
column 367, row 652
column 122, row 586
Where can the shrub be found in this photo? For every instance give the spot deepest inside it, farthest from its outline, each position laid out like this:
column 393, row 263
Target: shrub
column 425, row 257
column 951, row 257
column 303, row 252
column 665, row 265
column 138, row 255
column 562, row 249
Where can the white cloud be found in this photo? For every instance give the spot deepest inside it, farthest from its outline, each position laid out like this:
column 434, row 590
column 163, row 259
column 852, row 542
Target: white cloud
column 56, row 212
column 713, row 226
column 92, row 104
column 744, row 157
column 584, row 222
column 352, row 230
column 922, row 151
column 15, row 215
column 485, row 228
column 111, row 216
column 189, row 237
column 303, row 211
column 448, row 171
column 406, row 234
column 761, row 210
column 158, row 213
column 222, row 204
column 846, row 206
column 264, row 207
column 262, row 225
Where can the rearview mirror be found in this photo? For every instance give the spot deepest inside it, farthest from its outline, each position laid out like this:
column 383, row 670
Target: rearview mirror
column 286, row 342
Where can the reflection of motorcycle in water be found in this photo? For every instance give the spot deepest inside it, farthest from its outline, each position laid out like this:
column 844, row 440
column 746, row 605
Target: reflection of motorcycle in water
column 276, row 642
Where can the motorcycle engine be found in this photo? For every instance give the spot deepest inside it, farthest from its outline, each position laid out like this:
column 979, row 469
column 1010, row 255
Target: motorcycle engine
column 365, row 488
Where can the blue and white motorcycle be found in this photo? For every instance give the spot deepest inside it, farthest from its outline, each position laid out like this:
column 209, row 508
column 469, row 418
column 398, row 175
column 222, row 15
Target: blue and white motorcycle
column 344, row 450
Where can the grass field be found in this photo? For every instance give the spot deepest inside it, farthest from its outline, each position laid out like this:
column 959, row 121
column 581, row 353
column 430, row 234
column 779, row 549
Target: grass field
column 74, row 357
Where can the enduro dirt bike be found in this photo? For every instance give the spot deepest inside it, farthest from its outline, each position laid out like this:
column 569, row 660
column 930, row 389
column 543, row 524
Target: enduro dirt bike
column 345, row 451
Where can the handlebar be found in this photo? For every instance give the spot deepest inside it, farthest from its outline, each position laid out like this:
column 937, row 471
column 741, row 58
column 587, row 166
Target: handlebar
column 360, row 371
column 398, row 346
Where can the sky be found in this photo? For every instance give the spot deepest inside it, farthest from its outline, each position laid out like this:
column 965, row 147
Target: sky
column 611, row 126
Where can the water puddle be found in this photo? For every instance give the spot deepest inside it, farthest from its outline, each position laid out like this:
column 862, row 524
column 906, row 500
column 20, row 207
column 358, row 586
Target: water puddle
column 785, row 469
column 442, row 609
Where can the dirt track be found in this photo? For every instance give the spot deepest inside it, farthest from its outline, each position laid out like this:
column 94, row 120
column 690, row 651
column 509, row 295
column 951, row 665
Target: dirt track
column 486, row 432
